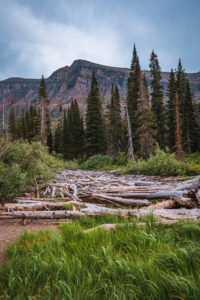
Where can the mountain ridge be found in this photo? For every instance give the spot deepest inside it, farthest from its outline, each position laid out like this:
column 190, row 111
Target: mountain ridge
column 74, row 82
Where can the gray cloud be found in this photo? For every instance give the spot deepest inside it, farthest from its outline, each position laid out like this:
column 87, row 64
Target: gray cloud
column 40, row 36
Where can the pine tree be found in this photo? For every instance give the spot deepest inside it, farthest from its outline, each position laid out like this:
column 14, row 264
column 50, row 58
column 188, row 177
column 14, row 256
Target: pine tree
column 115, row 131
column 76, row 130
column 170, row 112
column 49, row 140
column 178, row 131
column 44, row 102
column 95, row 133
column 189, row 127
column 12, row 123
column 157, row 99
column 58, row 133
column 132, row 99
column 23, row 125
column 146, row 125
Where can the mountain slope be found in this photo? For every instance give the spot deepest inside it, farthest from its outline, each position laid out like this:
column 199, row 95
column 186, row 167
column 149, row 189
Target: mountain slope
column 74, row 82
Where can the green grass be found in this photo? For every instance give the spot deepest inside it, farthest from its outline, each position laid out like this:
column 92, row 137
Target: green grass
column 150, row 262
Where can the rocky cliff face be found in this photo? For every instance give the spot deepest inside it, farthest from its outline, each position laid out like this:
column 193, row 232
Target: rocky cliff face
column 74, row 82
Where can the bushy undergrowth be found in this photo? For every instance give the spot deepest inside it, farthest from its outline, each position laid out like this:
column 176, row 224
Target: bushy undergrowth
column 162, row 163
column 132, row 262
column 194, row 163
column 22, row 165
column 96, row 162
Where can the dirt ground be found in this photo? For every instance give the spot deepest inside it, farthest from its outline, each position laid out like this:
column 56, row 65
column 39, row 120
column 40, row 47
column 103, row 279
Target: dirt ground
column 10, row 231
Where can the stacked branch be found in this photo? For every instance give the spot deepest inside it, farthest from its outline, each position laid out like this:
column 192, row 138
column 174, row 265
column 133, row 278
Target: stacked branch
column 93, row 193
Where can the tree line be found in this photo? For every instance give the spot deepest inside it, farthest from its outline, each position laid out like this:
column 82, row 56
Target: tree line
column 148, row 121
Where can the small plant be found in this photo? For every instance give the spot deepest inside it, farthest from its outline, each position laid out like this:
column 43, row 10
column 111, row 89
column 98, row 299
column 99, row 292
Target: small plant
column 68, row 206
column 96, row 162
column 122, row 159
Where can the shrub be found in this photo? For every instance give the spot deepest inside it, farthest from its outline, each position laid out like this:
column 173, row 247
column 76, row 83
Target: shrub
column 193, row 170
column 121, row 159
column 96, row 162
column 162, row 163
column 71, row 165
column 22, row 164
column 12, row 181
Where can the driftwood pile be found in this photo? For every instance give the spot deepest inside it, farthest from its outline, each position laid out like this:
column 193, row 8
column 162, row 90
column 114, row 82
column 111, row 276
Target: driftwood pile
column 79, row 193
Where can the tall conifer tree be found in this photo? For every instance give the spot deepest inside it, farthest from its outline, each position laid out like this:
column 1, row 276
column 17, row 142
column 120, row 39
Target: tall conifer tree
column 170, row 112
column 178, row 131
column 190, row 127
column 44, row 102
column 157, row 99
column 132, row 98
column 95, row 133
column 146, row 131
column 58, row 133
column 115, row 132
column 12, row 123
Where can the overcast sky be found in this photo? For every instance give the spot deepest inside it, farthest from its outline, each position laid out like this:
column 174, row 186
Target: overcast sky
column 39, row 36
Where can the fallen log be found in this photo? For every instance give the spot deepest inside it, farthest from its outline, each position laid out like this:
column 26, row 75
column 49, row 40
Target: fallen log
column 167, row 204
column 144, row 183
column 114, row 226
column 186, row 202
column 39, row 206
column 129, row 202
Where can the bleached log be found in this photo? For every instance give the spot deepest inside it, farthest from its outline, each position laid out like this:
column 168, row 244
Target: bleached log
column 144, row 183
column 129, row 202
column 114, row 226
column 167, row 204
column 154, row 195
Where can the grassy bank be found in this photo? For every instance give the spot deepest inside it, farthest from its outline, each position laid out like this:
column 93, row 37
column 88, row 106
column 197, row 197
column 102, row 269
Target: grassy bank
column 131, row 262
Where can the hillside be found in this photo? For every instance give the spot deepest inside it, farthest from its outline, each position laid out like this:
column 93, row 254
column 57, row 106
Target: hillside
column 74, row 82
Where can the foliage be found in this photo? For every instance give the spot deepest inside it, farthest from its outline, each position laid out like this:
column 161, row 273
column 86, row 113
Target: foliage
column 22, row 164
column 95, row 131
column 170, row 113
column 130, row 262
column 114, row 128
column 194, row 163
column 161, row 163
column 72, row 133
column 12, row 181
column 133, row 96
column 157, row 99
column 121, row 159
column 71, row 165
column 96, row 162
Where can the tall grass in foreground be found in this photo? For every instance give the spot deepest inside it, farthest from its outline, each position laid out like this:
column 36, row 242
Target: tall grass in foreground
column 150, row 262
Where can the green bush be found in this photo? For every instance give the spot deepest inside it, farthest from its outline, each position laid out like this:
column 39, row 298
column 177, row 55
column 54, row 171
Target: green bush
column 193, row 169
column 121, row 159
column 96, row 162
column 22, row 164
column 162, row 163
column 12, row 181
column 71, row 165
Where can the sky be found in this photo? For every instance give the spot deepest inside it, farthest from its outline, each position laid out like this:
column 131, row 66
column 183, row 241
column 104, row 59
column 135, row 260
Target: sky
column 39, row 36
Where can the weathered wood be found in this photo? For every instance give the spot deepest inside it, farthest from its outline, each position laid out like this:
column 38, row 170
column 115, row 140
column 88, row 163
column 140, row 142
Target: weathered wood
column 144, row 183
column 129, row 202
column 114, row 226
column 80, row 187
column 167, row 204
